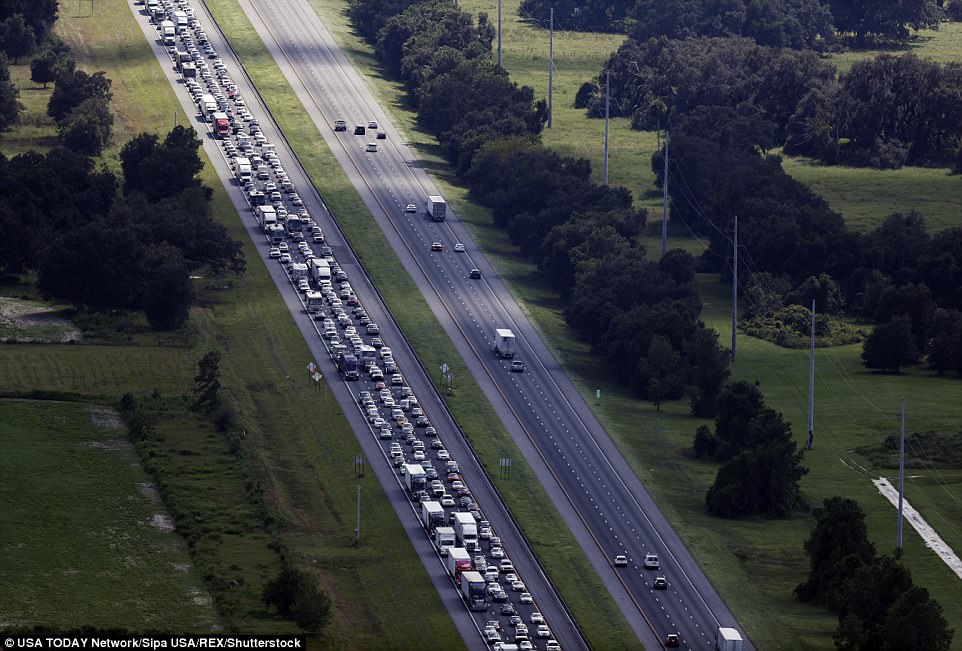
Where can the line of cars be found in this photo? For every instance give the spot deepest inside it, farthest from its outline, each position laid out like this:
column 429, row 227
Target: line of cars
column 395, row 415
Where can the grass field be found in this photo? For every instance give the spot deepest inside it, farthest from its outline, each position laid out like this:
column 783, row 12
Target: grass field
column 78, row 528
column 297, row 449
column 560, row 554
column 853, row 408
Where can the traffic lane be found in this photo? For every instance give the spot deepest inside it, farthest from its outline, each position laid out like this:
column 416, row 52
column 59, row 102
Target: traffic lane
column 558, row 628
column 465, row 625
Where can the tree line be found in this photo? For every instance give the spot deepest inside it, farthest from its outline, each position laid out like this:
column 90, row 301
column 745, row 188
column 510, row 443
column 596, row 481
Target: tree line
column 885, row 112
column 101, row 243
column 799, row 24
column 640, row 315
column 796, row 248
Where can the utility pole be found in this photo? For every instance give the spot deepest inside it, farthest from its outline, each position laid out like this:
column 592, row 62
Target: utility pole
column 898, row 545
column 735, row 289
column 550, row 62
column 357, row 531
column 811, row 383
column 664, row 202
column 499, row 35
column 607, row 88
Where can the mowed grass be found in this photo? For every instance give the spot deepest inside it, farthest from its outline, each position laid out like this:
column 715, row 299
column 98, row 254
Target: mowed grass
column 297, row 448
column 77, row 531
column 563, row 559
column 767, row 556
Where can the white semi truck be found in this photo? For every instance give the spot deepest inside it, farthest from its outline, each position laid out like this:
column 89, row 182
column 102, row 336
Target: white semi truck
column 504, row 344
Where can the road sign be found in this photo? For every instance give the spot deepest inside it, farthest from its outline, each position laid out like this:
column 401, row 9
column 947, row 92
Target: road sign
column 317, row 376
column 444, row 368
column 311, row 367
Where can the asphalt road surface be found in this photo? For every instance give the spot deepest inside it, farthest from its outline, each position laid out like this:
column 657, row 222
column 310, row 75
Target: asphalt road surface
column 469, row 624
column 586, row 477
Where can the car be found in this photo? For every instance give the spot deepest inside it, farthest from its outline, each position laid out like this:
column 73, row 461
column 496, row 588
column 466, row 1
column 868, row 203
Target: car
column 411, row 208
column 672, row 640
column 381, row 135
column 501, row 596
column 274, row 252
column 459, row 248
column 517, row 586
column 526, row 598
column 340, row 125
column 491, row 635
column 651, row 562
column 491, row 578
column 386, row 432
column 495, row 542
column 447, row 500
column 443, row 455
column 552, row 645
column 430, row 431
column 474, row 274
column 506, row 565
column 493, row 623
column 517, row 366
column 285, row 258
column 661, row 583
column 497, row 552
column 453, row 477
column 396, row 379
column 621, row 560
column 525, row 645
column 283, row 246
column 514, row 620
column 543, row 630
column 359, row 130
column 372, row 124
column 536, row 618
column 371, row 146
column 422, row 421
column 436, row 444
column 372, row 329
column 464, row 502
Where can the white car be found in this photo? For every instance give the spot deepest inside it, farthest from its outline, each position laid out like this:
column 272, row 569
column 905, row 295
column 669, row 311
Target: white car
column 411, row 208
column 285, row 258
column 274, row 252
column 447, row 500
column 621, row 561
column 651, row 562
column 443, row 455
column 537, row 618
column 543, row 630
column 459, row 248
column 497, row 552
column 517, row 586
column 526, row 598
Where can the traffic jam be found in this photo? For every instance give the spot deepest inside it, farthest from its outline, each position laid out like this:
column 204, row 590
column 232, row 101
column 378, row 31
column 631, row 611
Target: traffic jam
column 463, row 539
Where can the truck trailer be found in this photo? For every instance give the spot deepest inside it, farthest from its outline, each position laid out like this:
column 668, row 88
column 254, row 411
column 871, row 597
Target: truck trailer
column 221, row 125
column 242, row 169
column 436, row 208
column 728, row 639
column 473, row 590
column 347, row 365
column 168, row 32
column 414, row 477
column 466, row 529
column 458, row 561
column 504, row 344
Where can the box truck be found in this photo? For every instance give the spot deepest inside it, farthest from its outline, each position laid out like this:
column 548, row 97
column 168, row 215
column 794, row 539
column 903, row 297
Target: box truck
column 432, row 515
column 436, row 208
column 504, row 344
column 728, row 639
column 466, row 529
column 458, row 561
column 444, row 539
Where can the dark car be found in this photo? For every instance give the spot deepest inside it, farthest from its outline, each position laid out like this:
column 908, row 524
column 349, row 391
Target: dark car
column 506, row 608
column 475, row 274
column 661, row 583
column 517, row 366
column 381, row 135
column 359, row 130
column 672, row 640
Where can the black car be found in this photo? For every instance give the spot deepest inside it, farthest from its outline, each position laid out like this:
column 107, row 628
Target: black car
column 359, row 130
column 506, row 608
column 475, row 274
column 517, row 366
column 661, row 583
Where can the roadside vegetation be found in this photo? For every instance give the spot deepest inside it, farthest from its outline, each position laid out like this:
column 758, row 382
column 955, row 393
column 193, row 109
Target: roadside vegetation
column 264, row 482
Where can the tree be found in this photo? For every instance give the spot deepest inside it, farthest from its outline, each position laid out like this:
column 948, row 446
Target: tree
column 763, row 478
column 161, row 170
column 706, row 370
column 738, row 404
column 10, row 105
column 43, row 69
column 167, row 293
column 887, row 18
column 73, row 87
column 838, row 537
column 915, row 623
column 88, row 127
column 207, row 383
column 823, row 289
column 659, row 369
column 16, row 37
column 296, row 595
column 890, row 346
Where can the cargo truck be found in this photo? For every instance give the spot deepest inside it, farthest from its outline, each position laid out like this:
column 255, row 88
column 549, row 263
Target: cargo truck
column 208, row 106
column 466, row 529
column 444, row 539
column 298, row 271
column 167, row 32
column 728, row 639
column 458, row 561
column 368, row 356
column 266, row 216
column 275, row 233
column 504, row 345
column 221, row 125
column 242, row 169
column 432, row 515
column 347, row 365
column 180, row 21
column 414, row 477
column 320, row 270
column 473, row 590
column 436, row 208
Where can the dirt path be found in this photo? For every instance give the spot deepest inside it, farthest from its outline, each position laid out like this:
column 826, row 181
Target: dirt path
column 34, row 322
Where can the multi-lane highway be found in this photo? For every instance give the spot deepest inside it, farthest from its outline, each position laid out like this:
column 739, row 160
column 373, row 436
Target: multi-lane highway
column 589, row 482
column 469, row 624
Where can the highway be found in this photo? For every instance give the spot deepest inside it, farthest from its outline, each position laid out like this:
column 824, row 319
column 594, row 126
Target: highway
column 468, row 624
column 594, row 489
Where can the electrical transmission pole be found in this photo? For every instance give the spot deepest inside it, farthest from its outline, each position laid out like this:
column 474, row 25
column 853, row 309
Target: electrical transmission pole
column 664, row 203
column 811, row 383
column 735, row 289
column 607, row 89
column 550, row 62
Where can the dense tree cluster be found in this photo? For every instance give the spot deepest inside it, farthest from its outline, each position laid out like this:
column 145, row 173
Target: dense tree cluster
column 296, row 596
column 641, row 316
column 80, row 103
column 10, row 105
column 762, row 461
column 877, row 603
column 810, row 24
column 885, row 112
column 100, row 251
column 38, row 16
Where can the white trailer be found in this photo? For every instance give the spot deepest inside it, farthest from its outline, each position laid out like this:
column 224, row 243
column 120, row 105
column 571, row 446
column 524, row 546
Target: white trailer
column 504, row 344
